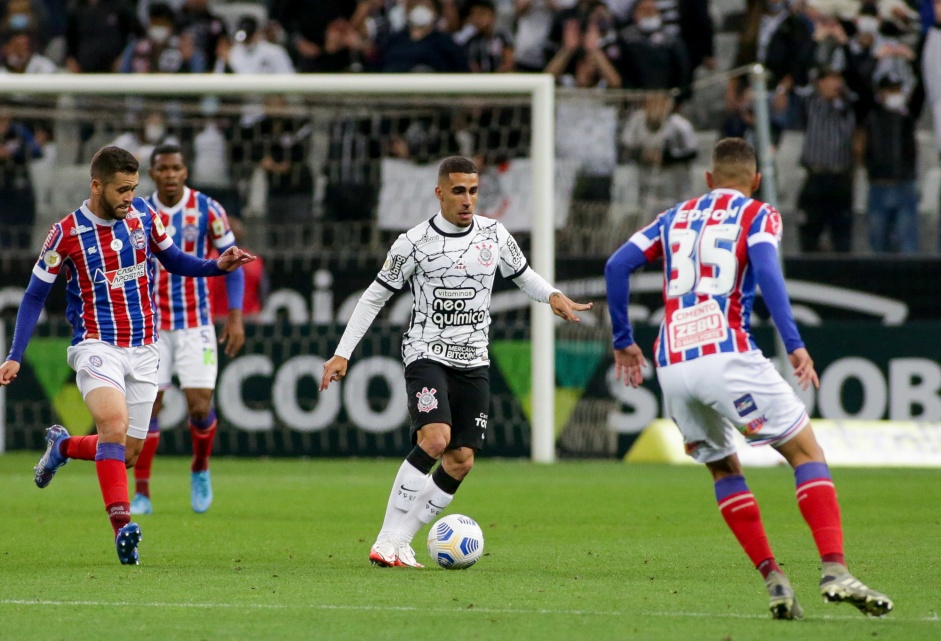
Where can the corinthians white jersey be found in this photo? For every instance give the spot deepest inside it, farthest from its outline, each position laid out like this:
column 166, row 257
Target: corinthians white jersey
column 450, row 276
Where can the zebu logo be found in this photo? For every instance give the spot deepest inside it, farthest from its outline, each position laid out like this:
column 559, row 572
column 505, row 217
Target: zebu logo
column 426, row 399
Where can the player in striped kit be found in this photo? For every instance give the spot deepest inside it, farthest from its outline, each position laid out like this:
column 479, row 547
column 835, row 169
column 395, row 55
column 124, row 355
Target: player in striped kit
column 715, row 250
column 187, row 343
column 105, row 246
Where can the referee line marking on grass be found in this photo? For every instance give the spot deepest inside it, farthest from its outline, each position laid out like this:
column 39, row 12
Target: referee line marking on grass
column 406, row 608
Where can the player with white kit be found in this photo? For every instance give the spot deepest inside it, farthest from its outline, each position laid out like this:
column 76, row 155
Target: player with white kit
column 716, row 249
column 449, row 263
column 187, row 342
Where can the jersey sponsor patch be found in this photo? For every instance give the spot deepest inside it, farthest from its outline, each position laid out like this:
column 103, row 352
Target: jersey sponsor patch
column 696, row 326
column 753, row 426
column 51, row 258
column 516, row 254
column 117, row 277
column 450, row 307
column 80, row 229
column 427, row 400
column 393, row 266
column 218, row 228
column 158, row 225
column 466, row 353
column 745, row 405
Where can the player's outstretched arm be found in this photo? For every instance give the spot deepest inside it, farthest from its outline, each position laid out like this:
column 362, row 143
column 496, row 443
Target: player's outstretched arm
column 333, row 370
column 233, row 258
column 565, row 308
column 629, row 365
column 803, row 366
column 26, row 318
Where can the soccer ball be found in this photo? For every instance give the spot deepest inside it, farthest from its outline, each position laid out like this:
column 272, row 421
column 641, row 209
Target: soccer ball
column 455, row 542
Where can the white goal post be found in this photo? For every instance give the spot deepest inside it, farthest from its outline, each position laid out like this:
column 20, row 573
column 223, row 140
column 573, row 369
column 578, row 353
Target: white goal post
column 540, row 88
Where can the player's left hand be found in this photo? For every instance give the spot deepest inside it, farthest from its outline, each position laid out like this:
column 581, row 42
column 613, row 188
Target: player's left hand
column 8, row 372
column 233, row 258
column 629, row 364
column 233, row 333
column 565, row 308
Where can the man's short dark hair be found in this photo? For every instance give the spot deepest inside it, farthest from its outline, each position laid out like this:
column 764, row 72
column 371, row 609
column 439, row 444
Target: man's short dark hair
column 109, row 161
column 734, row 158
column 164, row 149
column 456, row 165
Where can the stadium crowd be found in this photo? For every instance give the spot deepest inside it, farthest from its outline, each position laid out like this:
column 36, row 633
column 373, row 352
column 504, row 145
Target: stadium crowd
column 853, row 75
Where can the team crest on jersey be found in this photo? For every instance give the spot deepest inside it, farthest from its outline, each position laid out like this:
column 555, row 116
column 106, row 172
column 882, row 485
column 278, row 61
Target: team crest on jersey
column 137, row 238
column 745, row 405
column 485, row 254
column 426, row 399
column 190, row 232
column 95, row 361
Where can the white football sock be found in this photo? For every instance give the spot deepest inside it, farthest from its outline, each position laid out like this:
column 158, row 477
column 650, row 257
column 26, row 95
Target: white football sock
column 430, row 503
column 408, row 484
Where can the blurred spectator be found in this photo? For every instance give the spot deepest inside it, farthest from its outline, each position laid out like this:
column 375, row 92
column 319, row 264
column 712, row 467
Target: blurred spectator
column 826, row 198
column 533, row 22
column 581, row 61
column 197, row 21
column 17, row 149
column 354, row 150
column 280, row 146
column 321, row 36
column 256, row 281
column 209, row 171
column 161, row 49
column 141, row 139
column 488, row 49
column 19, row 55
column 688, row 20
column 143, row 8
column 578, row 13
column 251, row 52
column 97, row 33
column 26, row 15
column 739, row 121
column 891, row 155
column 653, row 59
column 779, row 38
column 421, row 46
column 664, row 145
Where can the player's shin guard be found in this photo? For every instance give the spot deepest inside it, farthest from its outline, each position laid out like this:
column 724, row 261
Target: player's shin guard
column 409, row 481
column 112, row 478
column 203, row 433
column 83, row 448
column 816, row 498
column 435, row 496
column 740, row 511
column 146, row 459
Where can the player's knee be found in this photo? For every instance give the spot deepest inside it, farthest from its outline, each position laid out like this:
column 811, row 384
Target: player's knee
column 112, row 428
column 459, row 462
column 200, row 408
column 435, row 445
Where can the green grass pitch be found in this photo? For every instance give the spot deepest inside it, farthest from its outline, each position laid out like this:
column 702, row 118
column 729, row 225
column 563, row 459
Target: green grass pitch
column 587, row 550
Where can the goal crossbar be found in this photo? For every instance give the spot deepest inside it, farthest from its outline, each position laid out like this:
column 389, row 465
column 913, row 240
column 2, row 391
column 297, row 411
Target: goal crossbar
column 540, row 88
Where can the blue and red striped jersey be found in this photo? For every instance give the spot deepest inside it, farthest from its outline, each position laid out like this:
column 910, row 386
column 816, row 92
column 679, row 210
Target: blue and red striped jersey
column 709, row 288
column 182, row 302
column 109, row 283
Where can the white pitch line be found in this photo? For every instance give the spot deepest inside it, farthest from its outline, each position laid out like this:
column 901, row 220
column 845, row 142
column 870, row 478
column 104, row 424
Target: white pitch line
column 394, row 608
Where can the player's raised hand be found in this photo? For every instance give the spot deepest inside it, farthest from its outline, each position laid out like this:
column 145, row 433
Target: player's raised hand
column 629, row 364
column 8, row 372
column 803, row 366
column 565, row 308
column 333, row 370
column 233, row 258
column 233, row 333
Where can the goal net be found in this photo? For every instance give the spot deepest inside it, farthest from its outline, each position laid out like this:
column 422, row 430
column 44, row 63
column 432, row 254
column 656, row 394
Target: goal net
column 324, row 172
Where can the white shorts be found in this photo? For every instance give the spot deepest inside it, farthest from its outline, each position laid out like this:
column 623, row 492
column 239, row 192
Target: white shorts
column 710, row 396
column 191, row 354
column 130, row 370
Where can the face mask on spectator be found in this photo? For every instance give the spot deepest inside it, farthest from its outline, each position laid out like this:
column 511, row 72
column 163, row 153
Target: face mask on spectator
column 867, row 24
column 158, row 33
column 154, row 131
column 650, row 24
column 420, row 16
column 19, row 21
column 895, row 102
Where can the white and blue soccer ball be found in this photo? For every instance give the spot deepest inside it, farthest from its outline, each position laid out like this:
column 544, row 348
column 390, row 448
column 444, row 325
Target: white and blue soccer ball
column 455, row 542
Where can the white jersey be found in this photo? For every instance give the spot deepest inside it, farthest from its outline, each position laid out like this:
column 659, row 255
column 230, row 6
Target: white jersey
column 451, row 279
